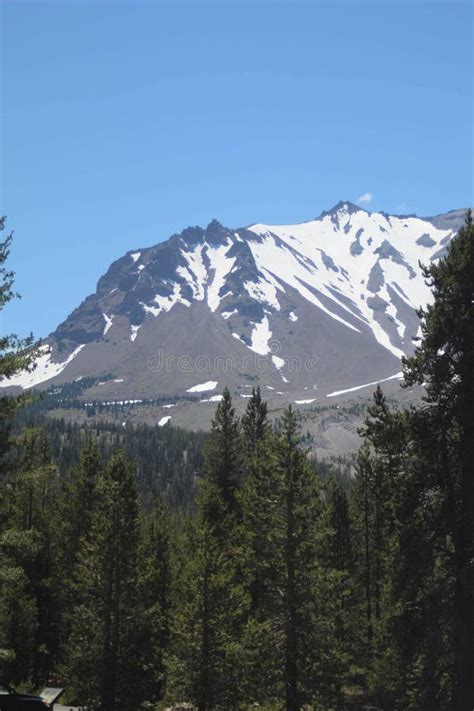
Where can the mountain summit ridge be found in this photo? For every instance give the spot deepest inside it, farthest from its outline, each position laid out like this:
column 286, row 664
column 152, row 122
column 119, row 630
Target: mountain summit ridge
column 348, row 205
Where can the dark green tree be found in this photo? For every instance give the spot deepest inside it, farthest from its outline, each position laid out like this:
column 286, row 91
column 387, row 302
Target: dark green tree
column 81, row 498
column 305, row 585
column 16, row 354
column 223, row 466
column 155, row 599
column 211, row 598
column 262, row 538
column 205, row 662
column 444, row 361
column 101, row 667
column 364, row 504
column 341, row 524
column 255, row 423
column 257, row 495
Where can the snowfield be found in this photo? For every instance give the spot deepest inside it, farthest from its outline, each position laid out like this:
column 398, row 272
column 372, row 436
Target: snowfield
column 45, row 370
column 350, row 256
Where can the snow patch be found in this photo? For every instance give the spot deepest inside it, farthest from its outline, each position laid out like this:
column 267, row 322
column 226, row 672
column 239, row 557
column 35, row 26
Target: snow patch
column 228, row 314
column 164, row 420
column 261, row 335
column 305, row 402
column 45, row 370
column 195, row 273
column 203, row 387
column 220, row 265
column 264, row 291
column 134, row 332
column 278, row 362
column 108, row 323
column 213, row 398
column 136, row 256
column 166, row 303
column 397, row 376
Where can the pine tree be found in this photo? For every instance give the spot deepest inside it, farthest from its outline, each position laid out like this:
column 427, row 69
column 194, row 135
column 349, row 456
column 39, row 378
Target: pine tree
column 300, row 519
column 16, row 354
column 380, row 473
column 80, row 498
column 18, row 608
column 102, row 666
column 341, row 571
column 223, row 470
column 255, row 423
column 77, row 499
column 363, row 501
column 423, row 582
column 262, row 540
column 258, row 493
column 211, row 596
column 341, row 553
column 444, row 361
column 294, row 617
column 296, row 587
column 375, row 431
column 205, row 665
column 83, row 495
column 154, row 605
column 260, row 500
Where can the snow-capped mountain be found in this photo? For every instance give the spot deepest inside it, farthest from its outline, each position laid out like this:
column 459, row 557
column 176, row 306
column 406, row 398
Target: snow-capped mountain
column 307, row 310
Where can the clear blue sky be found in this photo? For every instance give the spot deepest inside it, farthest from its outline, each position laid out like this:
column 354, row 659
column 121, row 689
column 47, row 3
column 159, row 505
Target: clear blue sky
column 124, row 122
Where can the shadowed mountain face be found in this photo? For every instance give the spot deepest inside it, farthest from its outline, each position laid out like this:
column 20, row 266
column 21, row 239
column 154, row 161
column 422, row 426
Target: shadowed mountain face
column 307, row 309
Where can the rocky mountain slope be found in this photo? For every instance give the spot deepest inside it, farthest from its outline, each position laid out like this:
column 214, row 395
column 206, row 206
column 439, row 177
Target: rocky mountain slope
column 311, row 311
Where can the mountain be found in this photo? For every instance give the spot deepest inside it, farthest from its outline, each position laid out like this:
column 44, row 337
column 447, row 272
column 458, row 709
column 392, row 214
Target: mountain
column 307, row 310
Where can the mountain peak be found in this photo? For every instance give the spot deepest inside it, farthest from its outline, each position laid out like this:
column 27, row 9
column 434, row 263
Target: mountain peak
column 216, row 232
column 341, row 206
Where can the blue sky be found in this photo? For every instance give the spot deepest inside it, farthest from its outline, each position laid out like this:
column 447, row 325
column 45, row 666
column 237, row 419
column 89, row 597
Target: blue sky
column 124, row 122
